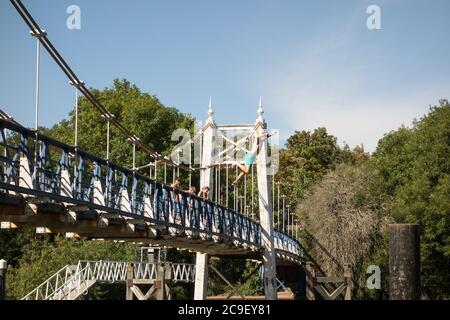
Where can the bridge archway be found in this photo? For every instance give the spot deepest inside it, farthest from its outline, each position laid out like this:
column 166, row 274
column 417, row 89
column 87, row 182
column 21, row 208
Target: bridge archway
column 251, row 142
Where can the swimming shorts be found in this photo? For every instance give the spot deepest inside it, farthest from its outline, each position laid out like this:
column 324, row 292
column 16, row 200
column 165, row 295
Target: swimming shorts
column 249, row 159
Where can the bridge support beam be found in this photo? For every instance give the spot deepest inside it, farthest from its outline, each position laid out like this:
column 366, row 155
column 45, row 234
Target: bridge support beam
column 207, row 152
column 3, row 269
column 310, row 281
column 201, row 276
column 129, row 283
column 201, row 260
column 266, row 213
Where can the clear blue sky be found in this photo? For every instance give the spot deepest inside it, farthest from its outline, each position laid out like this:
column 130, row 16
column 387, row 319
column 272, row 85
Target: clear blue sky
column 314, row 62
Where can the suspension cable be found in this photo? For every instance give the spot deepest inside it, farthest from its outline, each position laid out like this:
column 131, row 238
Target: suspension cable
column 253, row 189
column 226, row 185
column 43, row 39
column 235, row 192
column 245, row 194
column 190, row 164
column 165, row 173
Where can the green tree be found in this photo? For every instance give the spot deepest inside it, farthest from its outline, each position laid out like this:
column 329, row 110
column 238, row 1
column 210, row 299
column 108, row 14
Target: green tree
column 142, row 113
column 307, row 157
column 235, row 271
column 12, row 244
column 415, row 164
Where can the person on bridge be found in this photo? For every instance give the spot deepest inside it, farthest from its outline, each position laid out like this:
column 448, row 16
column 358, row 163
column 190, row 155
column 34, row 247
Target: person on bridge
column 177, row 197
column 190, row 217
column 192, row 190
column 204, row 193
column 176, row 184
column 250, row 157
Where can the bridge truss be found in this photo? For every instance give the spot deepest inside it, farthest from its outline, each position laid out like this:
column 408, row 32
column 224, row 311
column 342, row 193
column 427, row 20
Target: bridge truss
column 72, row 281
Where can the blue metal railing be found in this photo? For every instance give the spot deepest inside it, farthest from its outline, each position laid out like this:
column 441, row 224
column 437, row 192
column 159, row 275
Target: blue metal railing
column 101, row 184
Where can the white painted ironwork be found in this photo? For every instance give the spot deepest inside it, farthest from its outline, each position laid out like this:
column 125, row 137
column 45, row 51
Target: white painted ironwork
column 182, row 272
column 72, row 281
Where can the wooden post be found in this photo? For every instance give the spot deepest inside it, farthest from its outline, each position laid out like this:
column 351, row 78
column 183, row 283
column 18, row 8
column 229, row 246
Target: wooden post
column 159, row 283
column 310, row 281
column 130, row 277
column 404, row 262
column 348, row 281
column 167, row 280
column 3, row 269
column 163, row 274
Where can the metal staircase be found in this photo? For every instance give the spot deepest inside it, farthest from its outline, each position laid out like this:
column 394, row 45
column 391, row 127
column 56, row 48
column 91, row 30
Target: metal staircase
column 72, row 281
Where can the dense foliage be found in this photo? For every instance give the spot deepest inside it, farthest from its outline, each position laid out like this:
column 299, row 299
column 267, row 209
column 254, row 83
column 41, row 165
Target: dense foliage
column 415, row 164
column 407, row 182
column 346, row 215
column 142, row 113
column 307, row 157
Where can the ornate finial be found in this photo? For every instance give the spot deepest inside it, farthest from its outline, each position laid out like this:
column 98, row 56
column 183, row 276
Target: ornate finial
column 210, row 110
column 260, row 110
